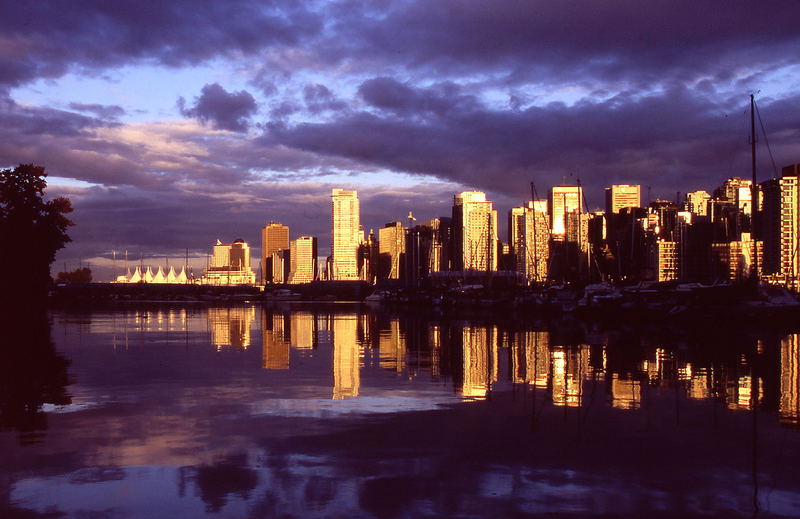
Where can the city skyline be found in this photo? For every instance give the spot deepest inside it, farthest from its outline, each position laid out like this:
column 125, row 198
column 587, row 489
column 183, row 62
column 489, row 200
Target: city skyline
column 168, row 130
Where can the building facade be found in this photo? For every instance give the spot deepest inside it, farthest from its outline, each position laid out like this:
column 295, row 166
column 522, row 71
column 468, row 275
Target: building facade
column 474, row 232
column 274, row 238
column 620, row 196
column 230, row 265
column 391, row 248
column 529, row 240
column 303, row 260
column 346, row 235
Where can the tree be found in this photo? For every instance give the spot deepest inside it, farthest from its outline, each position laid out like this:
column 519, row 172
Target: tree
column 78, row 276
column 32, row 230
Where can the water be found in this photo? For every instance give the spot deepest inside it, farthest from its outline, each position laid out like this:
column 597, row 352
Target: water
column 336, row 411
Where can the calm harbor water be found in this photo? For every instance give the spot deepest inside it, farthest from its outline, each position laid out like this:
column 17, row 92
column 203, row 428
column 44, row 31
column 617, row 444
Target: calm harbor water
column 342, row 411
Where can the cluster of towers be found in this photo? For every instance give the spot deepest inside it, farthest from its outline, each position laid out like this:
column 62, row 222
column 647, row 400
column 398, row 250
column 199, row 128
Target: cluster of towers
column 701, row 237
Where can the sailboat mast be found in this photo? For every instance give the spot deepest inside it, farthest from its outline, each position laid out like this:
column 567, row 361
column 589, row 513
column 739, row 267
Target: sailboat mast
column 753, row 190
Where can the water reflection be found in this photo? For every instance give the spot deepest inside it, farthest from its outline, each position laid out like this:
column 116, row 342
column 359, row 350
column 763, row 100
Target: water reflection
column 231, row 326
column 346, row 356
column 358, row 413
column 32, row 374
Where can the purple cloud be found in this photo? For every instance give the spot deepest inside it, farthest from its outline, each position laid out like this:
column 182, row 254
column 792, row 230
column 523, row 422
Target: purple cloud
column 225, row 110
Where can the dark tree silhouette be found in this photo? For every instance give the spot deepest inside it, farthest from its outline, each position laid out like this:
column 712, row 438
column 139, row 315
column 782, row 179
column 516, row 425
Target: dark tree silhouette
column 32, row 230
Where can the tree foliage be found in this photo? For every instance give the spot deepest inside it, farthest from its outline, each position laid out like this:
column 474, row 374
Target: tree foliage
column 76, row 277
column 32, row 230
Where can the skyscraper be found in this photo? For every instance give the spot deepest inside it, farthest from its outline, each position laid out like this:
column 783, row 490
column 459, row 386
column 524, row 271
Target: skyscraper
column 529, row 236
column 274, row 238
column 620, row 196
column 346, row 235
column 474, row 232
column 780, row 224
column 391, row 246
column 563, row 200
column 303, row 260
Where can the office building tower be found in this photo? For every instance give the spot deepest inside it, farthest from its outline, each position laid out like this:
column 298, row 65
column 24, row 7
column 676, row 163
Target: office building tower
column 391, row 247
column 620, row 196
column 780, row 225
column 667, row 260
column 346, row 235
column 368, row 259
column 529, row 240
column 230, row 265
column 730, row 188
column 562, row 201
column 697, row 202
column 274, row 238
column 303, row 260
column 474, row 232
column 280, row 262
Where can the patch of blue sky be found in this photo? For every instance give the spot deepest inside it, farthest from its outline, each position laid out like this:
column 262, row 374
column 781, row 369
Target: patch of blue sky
column 145, row 92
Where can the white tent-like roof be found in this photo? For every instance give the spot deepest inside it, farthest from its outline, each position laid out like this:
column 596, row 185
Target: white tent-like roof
column 182, row 276
column 148, row 276
column 171, row 277
column 159, row 277
column 136, row 277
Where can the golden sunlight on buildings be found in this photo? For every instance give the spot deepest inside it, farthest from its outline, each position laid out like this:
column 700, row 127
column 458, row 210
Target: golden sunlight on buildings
column 275, row 346
column 346, row 357
column 231, row 326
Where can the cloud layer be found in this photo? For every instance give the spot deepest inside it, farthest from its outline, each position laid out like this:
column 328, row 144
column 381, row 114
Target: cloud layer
column 404, row 100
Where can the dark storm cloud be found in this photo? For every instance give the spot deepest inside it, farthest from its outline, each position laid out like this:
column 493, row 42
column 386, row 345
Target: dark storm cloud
column 47, row 39
column 20, row 120
column 102, row 111
column 579, row 40
column 225, row 110
column 677, row 137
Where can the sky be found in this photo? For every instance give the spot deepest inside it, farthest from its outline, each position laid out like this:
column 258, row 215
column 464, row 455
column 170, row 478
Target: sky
column 173, row 124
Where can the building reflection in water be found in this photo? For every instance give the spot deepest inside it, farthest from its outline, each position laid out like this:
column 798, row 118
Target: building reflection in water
column 302, row 331
column 346, row 356
column 392, row 347
column 790, row 380
column 231, row 326
column 274, row 342
column 474, row 355
column 479, row 349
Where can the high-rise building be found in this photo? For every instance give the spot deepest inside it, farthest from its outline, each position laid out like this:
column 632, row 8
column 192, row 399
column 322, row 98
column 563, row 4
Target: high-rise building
column 474, row 232
column 274, row 238
column 346, row 235
column 562, row 201
column 667, row 260
column 620, row 196
column 529, row 237
column 391, row 247
column 697, row 202
column 303, row 260
column 230, row 265
column 780, row 225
